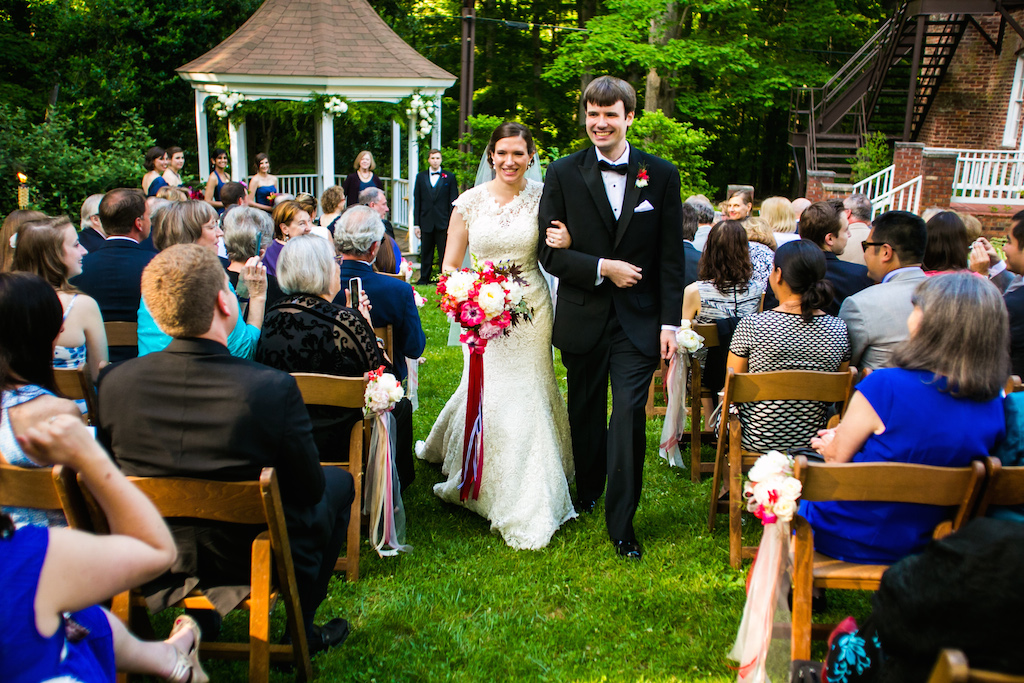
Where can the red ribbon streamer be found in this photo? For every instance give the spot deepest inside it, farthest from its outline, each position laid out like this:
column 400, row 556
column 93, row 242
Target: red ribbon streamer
column 473, row 442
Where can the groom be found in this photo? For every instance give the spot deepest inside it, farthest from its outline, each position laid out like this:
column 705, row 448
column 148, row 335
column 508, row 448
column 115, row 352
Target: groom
column 620, row 295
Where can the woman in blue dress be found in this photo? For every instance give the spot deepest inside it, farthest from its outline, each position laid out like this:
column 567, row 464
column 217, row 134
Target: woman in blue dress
column 217, row 179
column 51, row 627
column 362, row 178
column 940, row 404
column 156, row 163
column 263, row 185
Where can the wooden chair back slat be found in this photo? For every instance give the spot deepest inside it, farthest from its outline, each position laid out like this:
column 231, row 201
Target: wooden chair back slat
column 121, row 333
column 952, row 667
column 218, row 501
column 789, row 385
column 387, row 333
column 330, row 390
column 25, row 487
column 1003, row 486
column 75, row 384
column 888, row 481
column 710, row 333
column 1014, row 384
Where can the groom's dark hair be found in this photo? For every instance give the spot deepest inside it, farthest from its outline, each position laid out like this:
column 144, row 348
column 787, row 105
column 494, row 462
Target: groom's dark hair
column 605, row 91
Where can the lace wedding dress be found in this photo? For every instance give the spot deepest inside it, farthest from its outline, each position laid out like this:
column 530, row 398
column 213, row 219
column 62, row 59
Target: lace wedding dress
column 527, row 453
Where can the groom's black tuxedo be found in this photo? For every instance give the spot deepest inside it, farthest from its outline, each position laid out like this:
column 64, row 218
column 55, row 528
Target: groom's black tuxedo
column 433, row 210
column 604, row 330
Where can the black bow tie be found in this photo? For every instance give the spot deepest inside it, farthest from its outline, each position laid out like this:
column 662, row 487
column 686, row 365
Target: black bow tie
column 621, row 169
column 435, row 173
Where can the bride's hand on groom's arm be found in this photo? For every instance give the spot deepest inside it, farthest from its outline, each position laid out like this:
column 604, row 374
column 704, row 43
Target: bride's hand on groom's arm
column 558, row 236
column 621, row 273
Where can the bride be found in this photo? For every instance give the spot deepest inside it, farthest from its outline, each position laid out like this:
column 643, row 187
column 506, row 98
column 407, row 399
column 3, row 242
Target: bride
column 527, row 454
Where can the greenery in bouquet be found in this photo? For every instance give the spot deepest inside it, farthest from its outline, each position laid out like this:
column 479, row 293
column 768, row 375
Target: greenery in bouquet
column 486, row 300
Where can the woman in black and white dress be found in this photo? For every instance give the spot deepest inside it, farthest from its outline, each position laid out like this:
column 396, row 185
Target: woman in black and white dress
column 795, row 335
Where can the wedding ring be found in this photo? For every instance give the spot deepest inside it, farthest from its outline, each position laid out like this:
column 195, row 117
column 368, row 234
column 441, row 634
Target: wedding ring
column 52, row 418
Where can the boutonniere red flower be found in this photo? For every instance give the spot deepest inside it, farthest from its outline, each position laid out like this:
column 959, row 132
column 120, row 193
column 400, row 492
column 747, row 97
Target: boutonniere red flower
column 641, row 177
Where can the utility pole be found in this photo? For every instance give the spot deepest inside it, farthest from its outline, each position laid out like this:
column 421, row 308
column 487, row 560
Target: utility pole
column 466, row 74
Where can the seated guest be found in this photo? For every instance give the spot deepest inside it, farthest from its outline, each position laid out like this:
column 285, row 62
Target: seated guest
column 111, row 275
column 51, row 626
column 947, row 247
column 309, row 205
column 377, row 200
column 196, row 222
column 778, row 212
column 758, row 230
column 32, row 317
column 876, row 317
column 290, row 220
column 306, row 332
column 857, row 209
column 705, row 220
column 939, row 404
column 233, row 194
column 50, row 249
column 15, row 219
column 195, row 410
column 825, row 227
column 241, row 227
column 691, row 255
column 724, row 288
column 794, row 335
column 91, row 233
column 332, row 201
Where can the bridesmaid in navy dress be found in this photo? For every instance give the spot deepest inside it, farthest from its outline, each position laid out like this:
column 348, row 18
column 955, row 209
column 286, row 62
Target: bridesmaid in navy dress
column 263, row 185
column 156, row 163
column 362, row 178
column 217, row 179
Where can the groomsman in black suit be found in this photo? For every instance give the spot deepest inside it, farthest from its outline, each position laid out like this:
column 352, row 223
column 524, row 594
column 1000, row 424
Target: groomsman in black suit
column 433, row 195
column 620, row 297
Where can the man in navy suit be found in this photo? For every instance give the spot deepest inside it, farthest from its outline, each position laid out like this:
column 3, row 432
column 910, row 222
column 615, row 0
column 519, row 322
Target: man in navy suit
column 825, row 224
column 620, row 297
column 691, row 255
column 357, row 236
column 433, row 194
column 112, row 275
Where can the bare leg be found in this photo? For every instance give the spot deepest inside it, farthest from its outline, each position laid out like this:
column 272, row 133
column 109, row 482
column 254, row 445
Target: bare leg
column 156, row 658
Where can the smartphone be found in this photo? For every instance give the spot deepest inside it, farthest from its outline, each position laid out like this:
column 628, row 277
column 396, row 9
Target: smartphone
column 355, row 289
column 259, row 242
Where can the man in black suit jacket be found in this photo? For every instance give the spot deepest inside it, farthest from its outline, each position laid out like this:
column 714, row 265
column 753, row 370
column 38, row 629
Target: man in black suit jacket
column 620, row 296
column 111, row 274
column 691, row 255
column 433, row 194
column 91, row 234
column 825, row 225
column 195, row 410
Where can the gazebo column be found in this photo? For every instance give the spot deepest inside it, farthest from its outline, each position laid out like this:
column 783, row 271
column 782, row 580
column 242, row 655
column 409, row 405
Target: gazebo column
column 435, row 134
column 396, row 168
column 325, row 156
column 236, row 140
column 414, row 155
column 202, row 136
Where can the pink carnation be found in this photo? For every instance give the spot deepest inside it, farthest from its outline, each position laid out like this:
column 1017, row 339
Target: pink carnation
column 471, row 314
column 489, row 330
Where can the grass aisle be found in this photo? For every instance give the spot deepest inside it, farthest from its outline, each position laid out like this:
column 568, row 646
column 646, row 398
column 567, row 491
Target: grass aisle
column 464, row 607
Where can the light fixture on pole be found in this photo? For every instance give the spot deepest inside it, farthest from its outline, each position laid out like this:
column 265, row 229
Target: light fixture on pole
column 22, row 191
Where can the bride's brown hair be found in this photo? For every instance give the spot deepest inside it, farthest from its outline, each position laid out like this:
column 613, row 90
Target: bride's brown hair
column 510, row 129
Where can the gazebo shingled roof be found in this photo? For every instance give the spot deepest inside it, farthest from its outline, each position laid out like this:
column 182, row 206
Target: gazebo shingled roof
column 318, row 38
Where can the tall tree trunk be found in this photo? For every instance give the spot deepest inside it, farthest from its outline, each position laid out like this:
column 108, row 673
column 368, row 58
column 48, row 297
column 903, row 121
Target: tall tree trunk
column 664, row 27
column 585, row 10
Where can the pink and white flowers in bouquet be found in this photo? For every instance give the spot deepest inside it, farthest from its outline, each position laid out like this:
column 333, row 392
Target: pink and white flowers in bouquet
column 419, row 299
column 405, row 270
column 772, row 491
column 383, row 391
column 486, row 300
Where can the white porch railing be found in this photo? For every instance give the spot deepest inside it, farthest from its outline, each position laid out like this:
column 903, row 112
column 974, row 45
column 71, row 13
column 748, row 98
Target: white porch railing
column 989, row 176
column 397, row 191
column 876, row 185
column 905, row 197
column 295, row 183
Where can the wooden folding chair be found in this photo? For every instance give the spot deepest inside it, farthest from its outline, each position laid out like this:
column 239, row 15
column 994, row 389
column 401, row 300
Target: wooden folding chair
column 75, row 384
column 888, row 482
column 272, row 577
column 783, row 385
column 44, row 488
column 698, row 391
column 121, row 333
column 952, row 667
column 1014, row 384
column 343, row 392
column 397, row 276
column 387, row 333
column 1003, row 486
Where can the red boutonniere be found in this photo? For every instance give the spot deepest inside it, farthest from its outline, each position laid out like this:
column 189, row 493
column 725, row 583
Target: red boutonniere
column 641, row 177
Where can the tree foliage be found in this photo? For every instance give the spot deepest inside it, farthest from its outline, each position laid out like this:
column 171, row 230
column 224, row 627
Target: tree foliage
column 875, row 155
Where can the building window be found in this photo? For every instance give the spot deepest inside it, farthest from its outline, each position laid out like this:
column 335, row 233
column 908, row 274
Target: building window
column 1013, row 111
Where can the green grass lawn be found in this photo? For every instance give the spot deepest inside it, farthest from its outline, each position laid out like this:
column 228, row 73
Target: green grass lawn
column 465, row 607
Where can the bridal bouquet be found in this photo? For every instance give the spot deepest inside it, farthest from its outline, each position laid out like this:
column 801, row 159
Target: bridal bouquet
column 771, row 494
column 672, row 430
column 486, row 300
column 383, row 500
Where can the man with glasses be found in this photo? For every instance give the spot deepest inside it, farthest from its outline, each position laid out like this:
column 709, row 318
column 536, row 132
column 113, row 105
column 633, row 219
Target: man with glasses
column 876, row 318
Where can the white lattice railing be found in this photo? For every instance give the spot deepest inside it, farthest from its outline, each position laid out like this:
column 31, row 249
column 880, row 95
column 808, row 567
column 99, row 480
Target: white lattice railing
column 876, row 185
column 295, row 183
column 984, row 176
column 397, row 191
column 905, row 197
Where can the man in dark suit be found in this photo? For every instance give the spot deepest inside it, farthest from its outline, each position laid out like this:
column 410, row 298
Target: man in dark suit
column 620, row 296
column 1007, row 276
column 825, row 225
column 691, row 256
column 357, row 237
column 91, row 234
column 195, row 410
column 111, row 274
column 433, row 194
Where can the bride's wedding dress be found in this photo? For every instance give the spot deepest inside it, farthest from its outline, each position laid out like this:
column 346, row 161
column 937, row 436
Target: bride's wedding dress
column 527, row 453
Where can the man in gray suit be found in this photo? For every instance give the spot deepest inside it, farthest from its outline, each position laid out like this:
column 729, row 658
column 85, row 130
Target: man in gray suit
column 876, row 317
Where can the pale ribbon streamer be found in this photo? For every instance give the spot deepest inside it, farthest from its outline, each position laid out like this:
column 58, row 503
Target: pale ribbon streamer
column 383, row 499
column 674, row 427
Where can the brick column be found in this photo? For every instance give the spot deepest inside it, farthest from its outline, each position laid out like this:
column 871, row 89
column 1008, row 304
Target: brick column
column 907, row 159
column 816, row 181
column 937, row 169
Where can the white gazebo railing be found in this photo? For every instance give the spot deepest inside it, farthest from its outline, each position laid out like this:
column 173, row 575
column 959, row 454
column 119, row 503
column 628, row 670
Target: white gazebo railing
column 876, row 185
column 989, row 176
column 294, row 183
column 905, row 197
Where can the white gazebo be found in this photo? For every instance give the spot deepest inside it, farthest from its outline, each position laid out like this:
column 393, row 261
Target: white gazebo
column 291, row 48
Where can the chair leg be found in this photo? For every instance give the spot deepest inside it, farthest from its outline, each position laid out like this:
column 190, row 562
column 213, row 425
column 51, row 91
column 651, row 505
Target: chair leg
column 803, row 586
column 716, row 482
column 695, row 430
column 259, row 612
column 735, row 498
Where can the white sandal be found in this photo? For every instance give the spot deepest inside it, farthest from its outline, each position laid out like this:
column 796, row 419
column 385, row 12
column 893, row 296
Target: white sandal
column 187, row 668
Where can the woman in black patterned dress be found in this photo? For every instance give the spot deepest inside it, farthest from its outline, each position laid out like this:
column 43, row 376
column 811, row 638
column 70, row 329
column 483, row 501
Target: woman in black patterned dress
column 795, row 335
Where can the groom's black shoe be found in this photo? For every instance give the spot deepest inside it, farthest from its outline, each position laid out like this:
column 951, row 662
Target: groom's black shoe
column 585, row 505
column 629, row 549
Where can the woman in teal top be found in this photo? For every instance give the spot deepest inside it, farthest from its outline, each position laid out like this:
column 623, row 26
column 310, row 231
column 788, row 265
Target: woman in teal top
column 196, row 222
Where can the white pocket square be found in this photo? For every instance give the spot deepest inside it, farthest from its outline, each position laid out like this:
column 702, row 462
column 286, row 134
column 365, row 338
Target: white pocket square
column 644, row 206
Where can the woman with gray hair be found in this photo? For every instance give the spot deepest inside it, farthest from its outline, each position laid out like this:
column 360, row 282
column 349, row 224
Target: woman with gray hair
column 306, row 332
column 196, row 222
column 245, row 230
